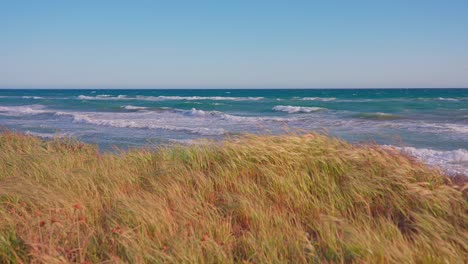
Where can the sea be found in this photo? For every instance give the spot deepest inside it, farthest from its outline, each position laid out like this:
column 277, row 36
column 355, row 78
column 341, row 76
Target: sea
column 430, row 124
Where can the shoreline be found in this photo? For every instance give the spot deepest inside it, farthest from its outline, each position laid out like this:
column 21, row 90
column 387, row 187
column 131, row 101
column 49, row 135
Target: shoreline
column 404, row 150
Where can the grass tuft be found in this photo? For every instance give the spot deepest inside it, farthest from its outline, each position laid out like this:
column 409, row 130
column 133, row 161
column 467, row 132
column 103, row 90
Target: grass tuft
column 253, row 199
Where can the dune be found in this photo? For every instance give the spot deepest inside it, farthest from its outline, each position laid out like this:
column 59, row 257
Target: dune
column 248, row 199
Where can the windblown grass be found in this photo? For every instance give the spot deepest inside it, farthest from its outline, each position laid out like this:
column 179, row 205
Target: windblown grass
column 256, row 199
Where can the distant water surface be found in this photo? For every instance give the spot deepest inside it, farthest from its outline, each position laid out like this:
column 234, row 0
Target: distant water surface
column 431, row 124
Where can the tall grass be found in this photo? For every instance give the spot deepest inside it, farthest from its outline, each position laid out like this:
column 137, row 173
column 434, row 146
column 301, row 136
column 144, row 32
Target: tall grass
column 255, row 199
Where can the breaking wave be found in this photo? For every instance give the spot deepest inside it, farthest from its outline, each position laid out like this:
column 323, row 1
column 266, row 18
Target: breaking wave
column 296, row 109
column 451, row 99
column 131, row 107
column 452, row 161
column 378, row 116
column 129, row 122
column 324, row 99
column 167, row 98
column 49, row 135
column 24, row 110
column 103, row 97
column 207, row 123
column 32, row 97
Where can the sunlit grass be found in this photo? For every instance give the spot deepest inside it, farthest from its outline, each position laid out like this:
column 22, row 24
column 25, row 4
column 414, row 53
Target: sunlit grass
column 253, row 199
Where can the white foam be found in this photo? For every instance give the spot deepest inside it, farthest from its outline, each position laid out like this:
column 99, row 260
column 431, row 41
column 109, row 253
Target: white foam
column 208, row 123
column 208, row 114
column 324, row 99
column 452, row 161
column 186, row 141
column 131, row 107
column 448, row 127
column 49, row 135
column 168, row 98
column 132, row 121
column 448, row 99
column 103, row 97
column 460, row 128
column 32, row 97
column 296, row 109
column 193, row 98
column 383, row 114
column 191, row 121
column 225, row 116
column 24, row 110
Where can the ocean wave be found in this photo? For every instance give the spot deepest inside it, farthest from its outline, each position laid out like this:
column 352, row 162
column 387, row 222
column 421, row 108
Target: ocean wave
column 196, row 121
column 324, row 99
column 363, row 100
column 168, row 98
column 196, row 98
column 146, row 112
column 186, row 141
column 459, row 128
column 378, row 116
column 206, row 123
column 103, row 97
column 49, row 135
column 453, row 161
column 217, row 114
column 296, row 109
column 168, row 119
column 132, row 107
column 32, row 97
column 451, row 99
column 129, row 122
column 224, row 116
column 24, row 110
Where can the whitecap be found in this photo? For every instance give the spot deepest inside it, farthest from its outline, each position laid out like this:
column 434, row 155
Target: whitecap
column 24, row 110
column 378, row 116
column 194, row 98
column 49, row 135
column 324, row 99
column 103, row 97
column 132, row 107
column 449, row 127
column 129, row 121
column 296, row 109
column 32, row 97
column 452, row 161
column 186, row 141
column 208, row 123
column 448, row 99
column 168, row 98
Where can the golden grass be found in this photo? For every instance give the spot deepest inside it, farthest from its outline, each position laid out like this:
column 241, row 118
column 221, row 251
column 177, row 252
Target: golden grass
column 256, row 199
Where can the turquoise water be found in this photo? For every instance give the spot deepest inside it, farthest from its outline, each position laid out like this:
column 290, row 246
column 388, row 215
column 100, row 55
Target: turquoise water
column 431, row 124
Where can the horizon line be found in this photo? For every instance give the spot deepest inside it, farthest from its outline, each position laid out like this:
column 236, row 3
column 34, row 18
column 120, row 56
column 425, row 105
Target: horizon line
column 224, row 88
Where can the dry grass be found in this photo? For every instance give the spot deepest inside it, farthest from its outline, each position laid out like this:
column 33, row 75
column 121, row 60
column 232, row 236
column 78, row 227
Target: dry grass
column 257, row 199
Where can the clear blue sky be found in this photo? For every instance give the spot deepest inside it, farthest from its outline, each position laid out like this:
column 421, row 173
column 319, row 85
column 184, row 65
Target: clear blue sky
column 233, row 44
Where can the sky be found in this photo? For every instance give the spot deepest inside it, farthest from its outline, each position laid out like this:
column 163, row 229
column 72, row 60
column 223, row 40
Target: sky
column 233, row 44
